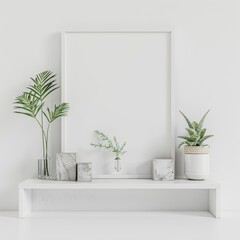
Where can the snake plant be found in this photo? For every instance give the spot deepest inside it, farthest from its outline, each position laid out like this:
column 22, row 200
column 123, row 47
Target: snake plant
column 196, row 132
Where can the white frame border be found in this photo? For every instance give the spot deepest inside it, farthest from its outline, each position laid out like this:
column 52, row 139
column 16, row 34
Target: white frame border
column 172, row 90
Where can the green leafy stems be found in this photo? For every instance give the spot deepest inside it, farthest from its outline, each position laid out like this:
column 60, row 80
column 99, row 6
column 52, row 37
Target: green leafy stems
column 32, row 102
column 196, row 132
column 110, row 144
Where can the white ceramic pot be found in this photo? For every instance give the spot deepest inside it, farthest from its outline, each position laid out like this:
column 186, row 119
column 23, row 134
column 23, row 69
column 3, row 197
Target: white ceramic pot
column 196, row 162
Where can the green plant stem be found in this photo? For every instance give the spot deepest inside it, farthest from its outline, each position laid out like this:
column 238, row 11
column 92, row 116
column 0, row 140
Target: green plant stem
column 45, row 140
column 42, row 126
column 47, row 136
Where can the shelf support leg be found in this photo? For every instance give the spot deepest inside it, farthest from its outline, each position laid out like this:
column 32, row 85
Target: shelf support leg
column 214, row 202
column 25, row 202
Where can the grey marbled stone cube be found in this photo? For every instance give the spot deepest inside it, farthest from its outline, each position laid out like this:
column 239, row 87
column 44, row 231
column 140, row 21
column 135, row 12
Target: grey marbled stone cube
column 66, row 166
column 163, row 169
column 84, row 172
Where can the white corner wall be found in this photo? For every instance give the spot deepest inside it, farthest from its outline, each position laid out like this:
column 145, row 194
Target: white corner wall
column 207, row 57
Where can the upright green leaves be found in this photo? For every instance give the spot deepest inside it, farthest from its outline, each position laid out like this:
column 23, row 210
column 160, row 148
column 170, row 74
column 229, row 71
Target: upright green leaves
column 187, row 120
column 191, row 131
column 202, row 133
column 195, row 131
column 201, row 122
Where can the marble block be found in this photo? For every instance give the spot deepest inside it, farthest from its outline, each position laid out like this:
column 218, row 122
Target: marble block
column 66, row 166
column 84, row 172
column 163, row 169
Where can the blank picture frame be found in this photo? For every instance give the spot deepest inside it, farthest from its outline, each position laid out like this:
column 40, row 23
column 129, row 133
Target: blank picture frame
column 119, row 82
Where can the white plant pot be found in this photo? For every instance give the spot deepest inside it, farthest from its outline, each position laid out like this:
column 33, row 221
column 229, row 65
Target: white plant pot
column 196, row 163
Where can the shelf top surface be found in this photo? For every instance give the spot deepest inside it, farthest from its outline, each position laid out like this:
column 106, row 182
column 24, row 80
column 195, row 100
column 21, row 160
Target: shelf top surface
column 119, row 184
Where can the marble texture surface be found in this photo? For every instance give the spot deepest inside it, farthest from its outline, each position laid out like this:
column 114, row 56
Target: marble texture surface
column 66, row 166
column 84, row 172
column 163, row 169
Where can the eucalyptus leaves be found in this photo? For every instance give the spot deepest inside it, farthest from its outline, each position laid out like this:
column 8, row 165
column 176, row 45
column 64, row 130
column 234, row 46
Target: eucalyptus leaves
column 32, row 104
column 110, row 144
column 196, row 134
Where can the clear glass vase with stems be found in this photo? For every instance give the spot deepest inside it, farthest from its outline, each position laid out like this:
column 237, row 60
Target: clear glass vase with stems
column 44, row 163
column 117, row 164
column 44, row 168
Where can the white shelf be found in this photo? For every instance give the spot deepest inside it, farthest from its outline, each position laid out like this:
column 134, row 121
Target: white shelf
column 26, row 187
column 119, row 184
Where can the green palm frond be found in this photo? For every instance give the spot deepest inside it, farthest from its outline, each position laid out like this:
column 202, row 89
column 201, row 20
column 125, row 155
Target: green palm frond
column 58, row 111
column 28, row 104
column 43, row 84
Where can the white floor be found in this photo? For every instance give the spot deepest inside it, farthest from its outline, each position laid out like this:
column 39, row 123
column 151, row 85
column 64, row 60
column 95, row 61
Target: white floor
column 120, row 226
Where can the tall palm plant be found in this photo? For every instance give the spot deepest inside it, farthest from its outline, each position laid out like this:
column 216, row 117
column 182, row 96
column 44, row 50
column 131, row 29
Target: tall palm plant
column 32, row 104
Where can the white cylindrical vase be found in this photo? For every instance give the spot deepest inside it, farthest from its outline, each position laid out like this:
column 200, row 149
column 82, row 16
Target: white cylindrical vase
column 196, row 162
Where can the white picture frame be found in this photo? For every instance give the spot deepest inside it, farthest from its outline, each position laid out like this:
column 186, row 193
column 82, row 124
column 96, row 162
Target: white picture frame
column 66, row 82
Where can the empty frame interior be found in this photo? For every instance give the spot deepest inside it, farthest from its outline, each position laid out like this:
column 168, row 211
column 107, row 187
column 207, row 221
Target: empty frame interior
column 118, row 83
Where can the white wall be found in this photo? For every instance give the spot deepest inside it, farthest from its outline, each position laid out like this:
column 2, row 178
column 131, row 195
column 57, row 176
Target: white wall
column 207, row 57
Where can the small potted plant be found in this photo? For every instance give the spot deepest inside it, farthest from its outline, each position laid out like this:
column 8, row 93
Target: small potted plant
column 196, row 150
column 31, row 103
column 113, row 145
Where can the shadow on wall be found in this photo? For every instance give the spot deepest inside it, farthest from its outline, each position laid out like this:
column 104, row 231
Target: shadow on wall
column 179, row 164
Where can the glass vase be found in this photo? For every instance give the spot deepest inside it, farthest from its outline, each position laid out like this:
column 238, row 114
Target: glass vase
column 117, row 164
column 44, row 168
